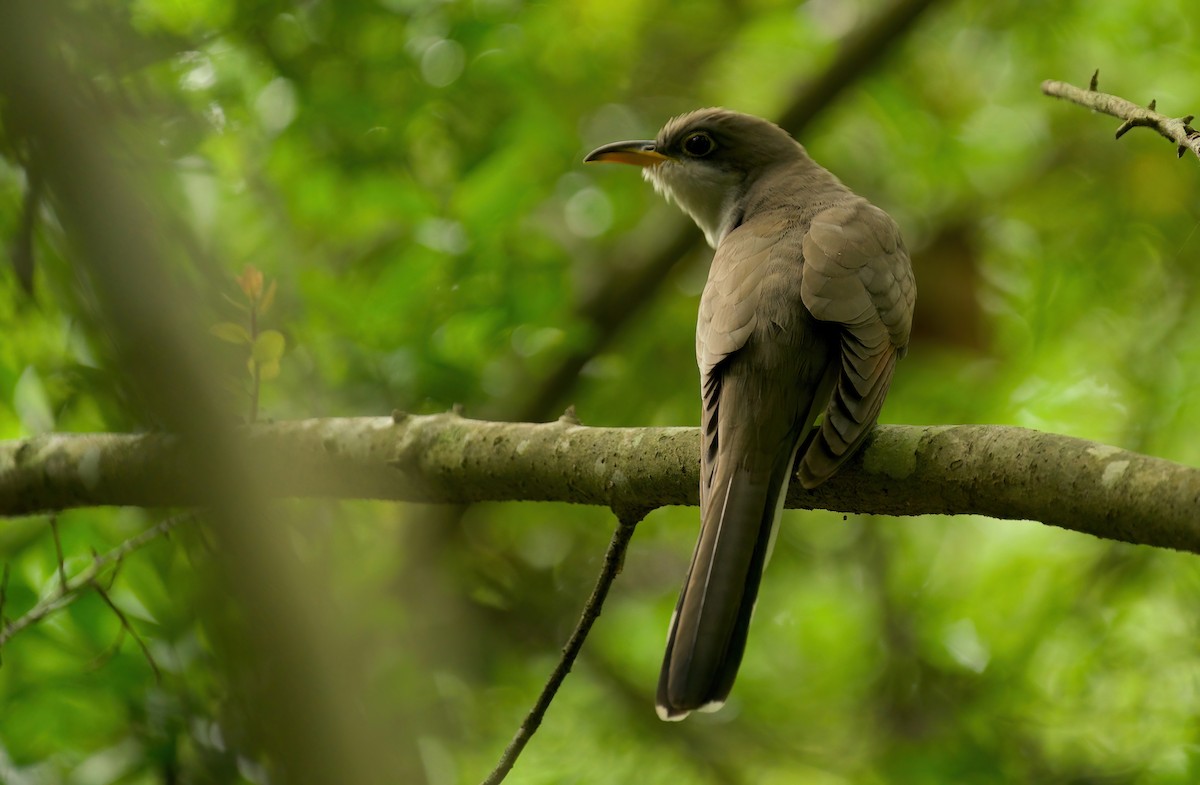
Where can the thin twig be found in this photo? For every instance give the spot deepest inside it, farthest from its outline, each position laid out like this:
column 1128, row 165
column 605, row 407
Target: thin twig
column 86, row 578
column 1176, row 129
column 614, row 558
column 127, row 627
column 62, row 569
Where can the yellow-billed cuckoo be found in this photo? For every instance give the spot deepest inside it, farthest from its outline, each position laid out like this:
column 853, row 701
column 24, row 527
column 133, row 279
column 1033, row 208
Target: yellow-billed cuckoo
column 808, row 306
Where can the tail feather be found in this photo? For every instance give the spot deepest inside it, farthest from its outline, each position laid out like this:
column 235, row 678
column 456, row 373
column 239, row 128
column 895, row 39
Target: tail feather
column 708, row 631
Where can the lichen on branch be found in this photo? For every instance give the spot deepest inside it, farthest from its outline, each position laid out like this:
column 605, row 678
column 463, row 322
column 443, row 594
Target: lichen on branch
column 997, row 471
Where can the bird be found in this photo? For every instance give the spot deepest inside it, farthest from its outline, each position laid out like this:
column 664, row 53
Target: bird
column 807, row 307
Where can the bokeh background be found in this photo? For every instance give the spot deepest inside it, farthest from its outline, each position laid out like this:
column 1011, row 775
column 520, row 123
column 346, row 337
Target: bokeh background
column 409, row 174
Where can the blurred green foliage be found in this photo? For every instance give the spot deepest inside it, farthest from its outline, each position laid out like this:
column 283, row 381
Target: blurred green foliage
column 409, row 173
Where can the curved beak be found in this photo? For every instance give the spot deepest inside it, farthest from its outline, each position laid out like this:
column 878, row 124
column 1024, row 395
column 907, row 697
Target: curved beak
column 637, row 153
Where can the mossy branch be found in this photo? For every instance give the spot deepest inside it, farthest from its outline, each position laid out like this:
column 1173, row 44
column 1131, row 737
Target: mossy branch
column 997, row 471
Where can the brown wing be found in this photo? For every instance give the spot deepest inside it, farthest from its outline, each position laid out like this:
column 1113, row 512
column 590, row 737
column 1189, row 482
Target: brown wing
column 857, row 274
column 728, row 316
column 730, row 301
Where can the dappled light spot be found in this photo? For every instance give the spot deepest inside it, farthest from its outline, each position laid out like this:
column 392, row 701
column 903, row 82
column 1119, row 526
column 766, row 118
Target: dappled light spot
column 963, row 643
column 442, row 63
column 588, row 213
column 441, row 234
column 276, row 105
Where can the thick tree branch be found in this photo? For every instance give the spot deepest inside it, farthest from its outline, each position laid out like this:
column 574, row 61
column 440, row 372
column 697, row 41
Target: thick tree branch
column 1175, row 129
column 997, row 471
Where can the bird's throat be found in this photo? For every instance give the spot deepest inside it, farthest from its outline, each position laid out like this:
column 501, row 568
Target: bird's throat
column 710, row 196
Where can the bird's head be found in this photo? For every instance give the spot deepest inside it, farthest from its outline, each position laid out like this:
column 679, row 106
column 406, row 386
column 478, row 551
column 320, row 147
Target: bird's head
column 704, row 160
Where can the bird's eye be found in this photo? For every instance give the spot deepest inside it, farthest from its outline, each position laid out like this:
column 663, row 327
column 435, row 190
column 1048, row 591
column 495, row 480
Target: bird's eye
column 699, row 145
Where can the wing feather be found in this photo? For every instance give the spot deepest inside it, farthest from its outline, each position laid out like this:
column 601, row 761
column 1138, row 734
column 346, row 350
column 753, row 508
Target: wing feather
column 857, row 274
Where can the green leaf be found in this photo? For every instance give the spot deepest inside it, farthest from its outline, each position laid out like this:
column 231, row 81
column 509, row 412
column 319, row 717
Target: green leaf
column 268, row 370
column 231, row 332
column 268, row 347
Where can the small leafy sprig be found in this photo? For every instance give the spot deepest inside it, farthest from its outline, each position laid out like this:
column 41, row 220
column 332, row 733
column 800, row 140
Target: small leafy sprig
column 264, row 347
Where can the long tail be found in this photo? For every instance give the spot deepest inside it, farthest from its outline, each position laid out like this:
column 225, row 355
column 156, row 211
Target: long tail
column 708, row 631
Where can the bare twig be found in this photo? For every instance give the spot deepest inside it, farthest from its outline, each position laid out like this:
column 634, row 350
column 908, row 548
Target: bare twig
column 1176, row 129
column 62, row 570
column 127, row 627
column 87, row 578
column 614, row 558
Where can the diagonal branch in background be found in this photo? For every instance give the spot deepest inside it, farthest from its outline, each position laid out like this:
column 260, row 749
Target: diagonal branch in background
column 296, row 704
column 1176, row 129
column 622, row 296
column 992, row 470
